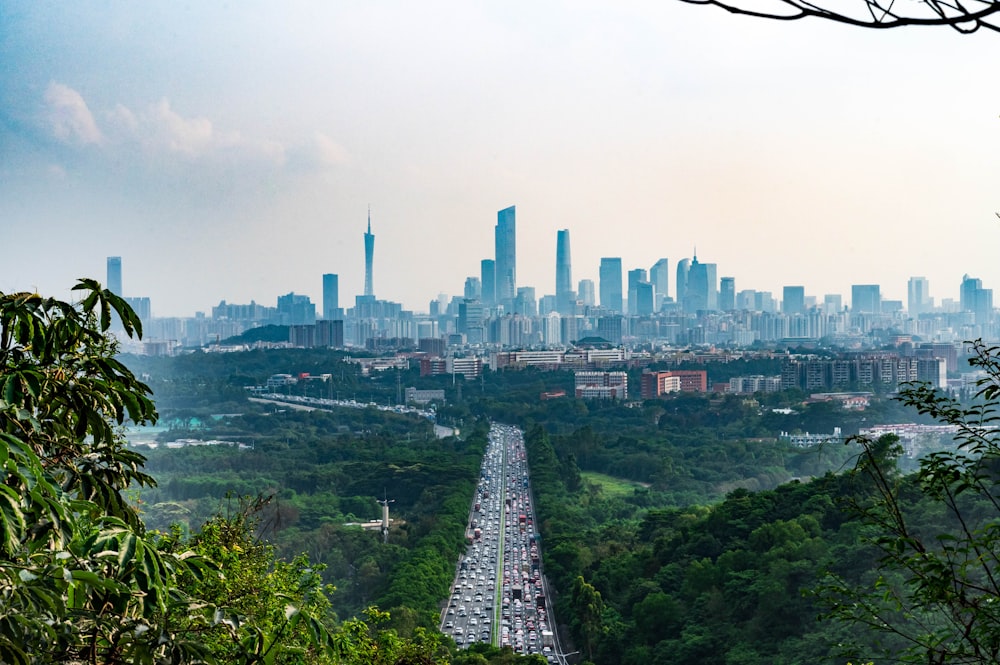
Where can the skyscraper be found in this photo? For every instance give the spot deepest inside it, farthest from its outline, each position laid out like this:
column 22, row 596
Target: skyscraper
column 524, row 303
column 976, row 299
column 611, row 284
column 659, row 275
column 635, row 278
column 793, row 300
column 702, row 292
column 369, row 257
column 115, row 275
column 488, row 278
column 866, row 298
column 683, row 266
column 565, row 297
column 918, row 301
column 473, row 288
column 506, row 257
column 585, row 292
column 296, row 310
column 727, row 294
column 641, row 304
column 331, row 297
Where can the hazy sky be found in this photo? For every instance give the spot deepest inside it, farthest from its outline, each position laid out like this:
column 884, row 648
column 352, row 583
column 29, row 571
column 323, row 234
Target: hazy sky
column 231, row 150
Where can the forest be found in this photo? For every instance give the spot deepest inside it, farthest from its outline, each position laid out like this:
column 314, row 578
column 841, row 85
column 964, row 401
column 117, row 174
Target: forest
column 723, row 547
column 682, row 530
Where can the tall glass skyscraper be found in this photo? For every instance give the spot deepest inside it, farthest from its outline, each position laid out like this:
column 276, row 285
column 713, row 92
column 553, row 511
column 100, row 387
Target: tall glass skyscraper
column 727, row 294
column 488, row 278
column 793, row 300
column 918, row 299
column 506, row 257
column 115, row 275
column 659, row 275
column 331, row 297
column 866, row 298
column 610, row 285
column 585, row 292
column 683, row 266
column 702, row 292
column 369, row 257
column 635, row 278
column 564, row 274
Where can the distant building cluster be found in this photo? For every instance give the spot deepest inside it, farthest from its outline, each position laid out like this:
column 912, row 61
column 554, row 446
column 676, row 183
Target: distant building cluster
column 628, row 308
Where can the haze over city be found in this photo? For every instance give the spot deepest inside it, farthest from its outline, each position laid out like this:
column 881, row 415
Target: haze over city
column 233, row 153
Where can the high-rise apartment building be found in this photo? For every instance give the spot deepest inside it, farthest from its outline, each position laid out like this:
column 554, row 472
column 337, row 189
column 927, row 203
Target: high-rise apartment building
column 793, row 300
column 659, row 276
column 488, row 278
column 727, row 294
column 611, row 284
column 369, row 257
column 331, row 297
column 866, row 298
column 115, row 275
column 506, row 256
column 918, row 300
column 565, row 297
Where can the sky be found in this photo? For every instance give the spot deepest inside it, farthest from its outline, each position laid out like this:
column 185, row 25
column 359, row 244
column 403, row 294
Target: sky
column 231, row 151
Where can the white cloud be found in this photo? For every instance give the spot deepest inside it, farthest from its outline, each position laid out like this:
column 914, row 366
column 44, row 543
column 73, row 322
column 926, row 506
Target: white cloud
column 161, row 134
column 330, row 152
column 160, row 130
column 69, row 115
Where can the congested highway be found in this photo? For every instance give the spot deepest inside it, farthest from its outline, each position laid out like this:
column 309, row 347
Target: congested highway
column 498, row 596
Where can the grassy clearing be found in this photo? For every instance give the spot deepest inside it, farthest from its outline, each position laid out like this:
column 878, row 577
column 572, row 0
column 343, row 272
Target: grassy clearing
column 610, row 485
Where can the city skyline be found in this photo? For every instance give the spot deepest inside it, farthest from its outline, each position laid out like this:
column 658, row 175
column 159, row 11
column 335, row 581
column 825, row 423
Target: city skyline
column 240, row 169
column 693, row 291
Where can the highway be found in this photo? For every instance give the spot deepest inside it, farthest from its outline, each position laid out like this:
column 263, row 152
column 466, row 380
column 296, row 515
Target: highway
column 498, row 595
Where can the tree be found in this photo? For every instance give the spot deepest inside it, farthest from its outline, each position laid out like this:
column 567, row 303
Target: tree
column 937, row 531
column 964, row 16
column 588, row 622
column 81, row 579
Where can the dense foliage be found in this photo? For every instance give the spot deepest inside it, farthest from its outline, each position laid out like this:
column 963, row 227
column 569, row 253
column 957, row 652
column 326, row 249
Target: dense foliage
column 325, row 471
column 81, row 578
column 679, row 530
